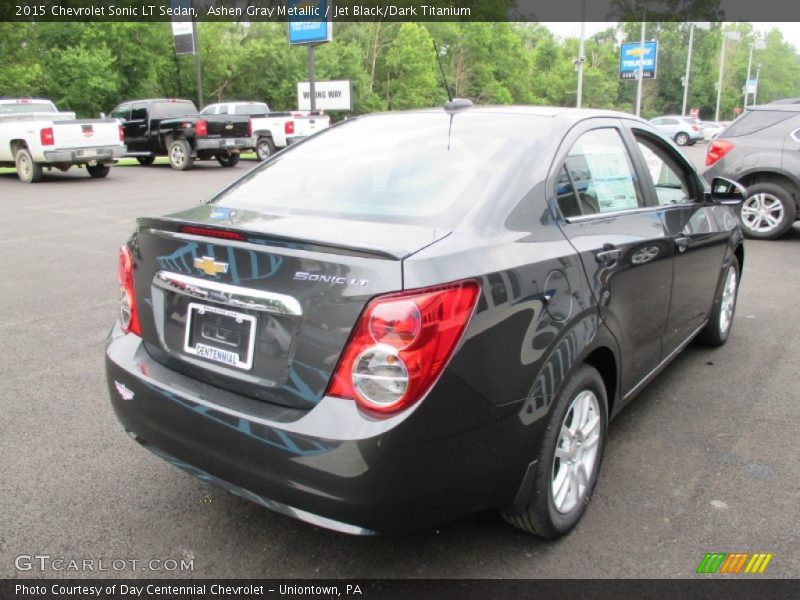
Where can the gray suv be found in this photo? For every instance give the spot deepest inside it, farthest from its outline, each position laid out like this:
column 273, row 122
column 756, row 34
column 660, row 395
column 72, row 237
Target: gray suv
column 761, row 150
column 684, row 131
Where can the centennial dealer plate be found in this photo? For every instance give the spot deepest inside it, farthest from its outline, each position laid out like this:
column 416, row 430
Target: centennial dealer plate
column 220, row 335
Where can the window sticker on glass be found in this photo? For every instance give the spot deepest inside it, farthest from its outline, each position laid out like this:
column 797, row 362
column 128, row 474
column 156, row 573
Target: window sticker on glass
column 611, row 174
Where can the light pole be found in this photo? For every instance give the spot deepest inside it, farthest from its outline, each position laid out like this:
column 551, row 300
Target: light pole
column 688, row 68
column 756, row 44
column 726, row 35
column 640, row 74
column 581, row 57
column 758, row 74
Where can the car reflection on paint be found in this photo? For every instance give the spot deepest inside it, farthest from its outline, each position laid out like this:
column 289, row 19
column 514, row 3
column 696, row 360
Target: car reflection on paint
column 442, row 324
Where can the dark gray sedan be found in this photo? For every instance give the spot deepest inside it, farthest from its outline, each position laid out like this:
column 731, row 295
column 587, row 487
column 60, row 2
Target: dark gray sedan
column 411, row 317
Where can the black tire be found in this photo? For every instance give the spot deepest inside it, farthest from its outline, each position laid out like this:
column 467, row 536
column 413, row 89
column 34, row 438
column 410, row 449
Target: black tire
column 146, row 160
column 98, row 171
column 228, row 160
column 541, row 517
column 28, row 171
column 681, row 138
column 767, row 194
column 264, row 148
column 718, row 329
column 180, row 157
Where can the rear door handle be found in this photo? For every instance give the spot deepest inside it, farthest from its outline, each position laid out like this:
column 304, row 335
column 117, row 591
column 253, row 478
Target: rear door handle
column 682, row 243
column 608, row 254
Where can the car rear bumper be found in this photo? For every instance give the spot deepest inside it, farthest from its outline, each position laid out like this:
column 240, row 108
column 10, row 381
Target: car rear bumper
column 332, row 465
column 84, row 155
column 223, row 143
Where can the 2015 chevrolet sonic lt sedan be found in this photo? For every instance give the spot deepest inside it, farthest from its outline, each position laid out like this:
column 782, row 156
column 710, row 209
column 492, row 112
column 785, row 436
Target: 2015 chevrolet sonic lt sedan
column 411, row 317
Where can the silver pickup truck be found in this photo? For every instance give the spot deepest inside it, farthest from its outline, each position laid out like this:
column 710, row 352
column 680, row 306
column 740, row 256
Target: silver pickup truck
column 35, row 135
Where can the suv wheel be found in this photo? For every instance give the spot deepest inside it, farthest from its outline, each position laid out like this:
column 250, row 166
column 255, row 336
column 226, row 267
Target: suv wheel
column 98, row 171
column 681, row 139
column 569, row 460
column 768, row 211
column 180, row 157
column 264, row 148
column 228, row 159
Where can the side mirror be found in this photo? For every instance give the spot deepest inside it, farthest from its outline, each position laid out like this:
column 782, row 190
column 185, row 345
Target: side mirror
column 726, row 192
column 102, row 115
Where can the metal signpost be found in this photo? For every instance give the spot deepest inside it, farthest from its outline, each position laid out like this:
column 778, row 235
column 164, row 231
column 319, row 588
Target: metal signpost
column 185, row 34
column 310, row 24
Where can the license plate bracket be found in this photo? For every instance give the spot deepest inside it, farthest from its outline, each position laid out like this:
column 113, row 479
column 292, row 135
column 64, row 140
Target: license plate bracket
column 219, row 335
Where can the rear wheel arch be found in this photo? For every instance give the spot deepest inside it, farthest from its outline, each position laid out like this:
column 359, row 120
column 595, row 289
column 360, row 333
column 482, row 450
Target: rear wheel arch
column 774, row 178
column 603, row 359
column 15, row 145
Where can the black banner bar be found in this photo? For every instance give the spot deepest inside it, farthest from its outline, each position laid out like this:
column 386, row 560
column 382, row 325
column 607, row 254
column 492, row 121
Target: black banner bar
column 458, row 589
column 407, row 10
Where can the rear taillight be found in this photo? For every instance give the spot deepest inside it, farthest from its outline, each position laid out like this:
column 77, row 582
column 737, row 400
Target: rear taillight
column 201, row 128
column 401, row 344
column 695, row 127
column 215, row 233
column 121, row 133
column 288, row 127
column 716, row 150
column 250, row 128
column 46, row 136
column 128, row 315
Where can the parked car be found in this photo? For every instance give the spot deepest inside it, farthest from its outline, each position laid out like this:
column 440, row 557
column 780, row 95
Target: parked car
column 761, row 150
column 712, row 129
column 34, row 135
column 441, row 324
column 174, row 128
column 685, row 131
column 272, row 131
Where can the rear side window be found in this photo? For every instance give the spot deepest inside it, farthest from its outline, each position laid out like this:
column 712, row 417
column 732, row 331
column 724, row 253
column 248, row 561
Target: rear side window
column 121, row 112
column 598, row 177
column 26, row 107
column 417, row 168
column 174, row 109
column 757, row 120
column 139, row 113
column 251, row 109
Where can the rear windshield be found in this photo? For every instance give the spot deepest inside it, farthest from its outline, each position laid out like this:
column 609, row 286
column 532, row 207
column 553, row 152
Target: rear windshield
column 756, row 120
column 406, row 168
column 174, row 109
column 251, row 109
column 26, row 107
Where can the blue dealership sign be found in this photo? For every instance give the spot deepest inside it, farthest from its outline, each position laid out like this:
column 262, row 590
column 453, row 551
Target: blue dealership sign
column 309, row 21
column 630, row 55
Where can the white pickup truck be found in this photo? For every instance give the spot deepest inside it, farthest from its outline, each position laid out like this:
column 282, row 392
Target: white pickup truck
column 272, row 131
column 34, row 135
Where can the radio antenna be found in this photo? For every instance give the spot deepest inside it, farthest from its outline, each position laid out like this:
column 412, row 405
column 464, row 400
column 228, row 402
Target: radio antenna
column 441, row 68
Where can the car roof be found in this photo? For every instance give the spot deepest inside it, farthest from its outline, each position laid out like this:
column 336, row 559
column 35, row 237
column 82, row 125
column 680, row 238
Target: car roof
column 562, row 113
column 788, row 105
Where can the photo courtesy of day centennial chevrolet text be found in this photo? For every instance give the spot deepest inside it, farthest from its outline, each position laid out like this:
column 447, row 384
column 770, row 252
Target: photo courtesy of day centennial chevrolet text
column 414, row 316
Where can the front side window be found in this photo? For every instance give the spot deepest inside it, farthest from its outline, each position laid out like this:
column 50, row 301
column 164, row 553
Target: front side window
column 598, row 176
column 670, row 179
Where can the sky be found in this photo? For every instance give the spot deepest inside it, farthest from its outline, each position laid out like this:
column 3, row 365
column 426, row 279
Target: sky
column 791, row 31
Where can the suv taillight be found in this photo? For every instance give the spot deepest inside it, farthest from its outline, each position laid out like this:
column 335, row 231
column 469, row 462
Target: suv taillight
column 695, row 127
column 46, row 136
column 401, row 344
column 128, row 315
column 288, row 127
column 201, row 128
column 250, row 128
column 716, row 150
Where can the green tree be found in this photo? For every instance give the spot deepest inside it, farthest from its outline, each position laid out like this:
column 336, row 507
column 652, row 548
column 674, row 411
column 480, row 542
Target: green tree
column 411, row 69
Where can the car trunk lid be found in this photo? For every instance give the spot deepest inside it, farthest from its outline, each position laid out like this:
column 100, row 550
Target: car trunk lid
column 268, row 314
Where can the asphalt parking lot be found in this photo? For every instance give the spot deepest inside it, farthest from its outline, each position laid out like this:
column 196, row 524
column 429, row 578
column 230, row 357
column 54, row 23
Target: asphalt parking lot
column 704, row 460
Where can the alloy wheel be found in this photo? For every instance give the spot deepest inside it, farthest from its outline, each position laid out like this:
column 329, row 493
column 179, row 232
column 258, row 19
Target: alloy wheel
column 728, row 303
column 576, row 452
column 762, row 213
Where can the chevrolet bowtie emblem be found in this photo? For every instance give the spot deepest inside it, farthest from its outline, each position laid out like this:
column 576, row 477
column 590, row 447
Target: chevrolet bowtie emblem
column 209, row 266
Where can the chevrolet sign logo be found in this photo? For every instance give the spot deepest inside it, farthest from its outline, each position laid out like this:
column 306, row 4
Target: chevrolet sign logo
column 209, row 266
